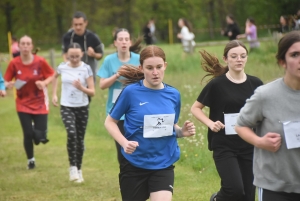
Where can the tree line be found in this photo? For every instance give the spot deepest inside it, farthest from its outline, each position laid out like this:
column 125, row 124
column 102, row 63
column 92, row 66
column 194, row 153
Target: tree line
column 47, row 20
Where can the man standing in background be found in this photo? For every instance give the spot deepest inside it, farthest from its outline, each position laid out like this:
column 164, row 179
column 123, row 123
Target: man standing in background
column 89, row 41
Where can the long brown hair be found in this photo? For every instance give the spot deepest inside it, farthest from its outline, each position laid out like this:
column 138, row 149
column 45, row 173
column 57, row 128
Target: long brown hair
column 211, row 64
column 134, row 74
column 136, row 46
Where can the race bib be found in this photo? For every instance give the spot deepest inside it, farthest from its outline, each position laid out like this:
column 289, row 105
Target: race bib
column 19, row 84
column 75, row 96
column 158, row 125
column 292, row 134
column 230, row 121
column 116, row 93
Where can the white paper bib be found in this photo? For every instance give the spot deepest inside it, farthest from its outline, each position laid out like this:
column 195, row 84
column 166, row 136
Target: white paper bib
column 230, row 121
column 158, row 125
column 19, row 84
column 292, row 134
column 116, row 93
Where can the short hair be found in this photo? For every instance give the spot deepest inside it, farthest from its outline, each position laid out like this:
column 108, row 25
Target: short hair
column 79, row 14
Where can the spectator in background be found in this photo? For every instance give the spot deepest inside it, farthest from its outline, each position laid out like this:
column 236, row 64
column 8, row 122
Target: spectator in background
column 147, row 33
column 250, row 34
column 152, row 30
column 284, row 24
column 89, row 41
column 297, row 20
column 232, row 29
column 186, row 34
column 15, row 47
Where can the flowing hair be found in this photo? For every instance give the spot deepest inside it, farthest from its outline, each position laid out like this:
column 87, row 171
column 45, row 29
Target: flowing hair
column 211, row 64
column 134, row 74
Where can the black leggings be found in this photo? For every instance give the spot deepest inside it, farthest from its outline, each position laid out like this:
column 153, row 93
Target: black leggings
column 235, row 170
column 118, row 146
column 26, row 120
column 75, row 120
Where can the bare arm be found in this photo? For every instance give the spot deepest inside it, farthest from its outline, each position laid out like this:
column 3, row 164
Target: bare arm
column 90, row 90
column 43, row 83
column 197, row 111
column 54, row 89
column 113, row 129
column 188, row 129
column 107, row 82
column 97, row 56
column 91, row 52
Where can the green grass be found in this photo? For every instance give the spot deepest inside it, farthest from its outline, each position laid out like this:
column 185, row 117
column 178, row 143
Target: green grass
column 195, row 174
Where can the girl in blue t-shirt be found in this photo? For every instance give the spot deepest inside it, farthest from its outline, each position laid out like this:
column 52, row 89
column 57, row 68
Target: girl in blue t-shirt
column 149, row 145
column 127, row 53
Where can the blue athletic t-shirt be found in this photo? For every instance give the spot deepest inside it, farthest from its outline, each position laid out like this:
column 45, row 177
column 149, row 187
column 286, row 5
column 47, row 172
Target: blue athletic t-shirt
column 136, row 101
column 110, row 66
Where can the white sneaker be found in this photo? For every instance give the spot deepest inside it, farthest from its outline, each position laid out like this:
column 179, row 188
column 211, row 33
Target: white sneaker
column 73, row 173
column 80, row 180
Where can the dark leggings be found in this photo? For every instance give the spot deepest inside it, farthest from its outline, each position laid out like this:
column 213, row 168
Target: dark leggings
column 75, row 120
column 118, row 146
column 26, row 120
column 235, row 170
column 267, row 195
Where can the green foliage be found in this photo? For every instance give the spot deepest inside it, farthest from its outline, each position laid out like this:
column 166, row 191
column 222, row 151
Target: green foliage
column 47, row 20
column 195, row 174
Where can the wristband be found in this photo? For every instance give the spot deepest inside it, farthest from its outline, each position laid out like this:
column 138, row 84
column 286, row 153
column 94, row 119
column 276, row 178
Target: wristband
column 178, row 132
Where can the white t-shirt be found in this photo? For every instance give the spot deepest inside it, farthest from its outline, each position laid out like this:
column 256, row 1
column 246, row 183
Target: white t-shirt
column 186, row 37
column 70, row 95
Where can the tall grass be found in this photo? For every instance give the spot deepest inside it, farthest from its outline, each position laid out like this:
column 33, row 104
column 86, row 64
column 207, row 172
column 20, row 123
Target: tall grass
column 195, row 174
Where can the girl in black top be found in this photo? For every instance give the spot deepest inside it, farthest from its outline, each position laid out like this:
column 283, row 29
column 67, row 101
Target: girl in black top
column 225, row 95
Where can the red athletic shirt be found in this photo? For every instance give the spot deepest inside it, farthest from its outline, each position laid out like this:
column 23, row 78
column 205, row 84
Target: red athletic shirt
column 29, row 98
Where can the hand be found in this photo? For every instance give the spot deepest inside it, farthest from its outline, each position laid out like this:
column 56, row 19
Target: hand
column 2, row 93
column 130, row 147
column 40, row 84
column 229, row 33
column 188, row 129
column 90, row 52
column 10, row 84
column 54, row 101
column 238, row 37
column 216, row 126
column 179, row 36
column 77, row 84
column 270, row 142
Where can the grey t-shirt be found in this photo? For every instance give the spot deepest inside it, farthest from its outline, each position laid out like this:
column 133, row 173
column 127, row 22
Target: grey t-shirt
column 270, row 106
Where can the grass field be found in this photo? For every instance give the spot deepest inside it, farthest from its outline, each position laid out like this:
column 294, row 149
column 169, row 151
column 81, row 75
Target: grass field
column 195, row 175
